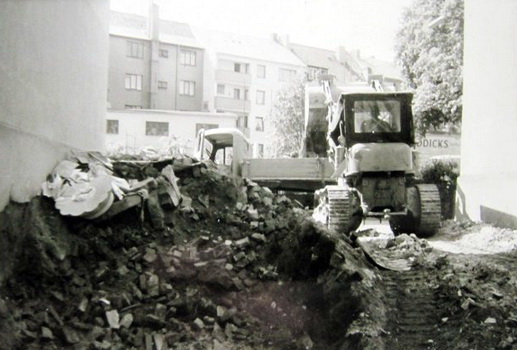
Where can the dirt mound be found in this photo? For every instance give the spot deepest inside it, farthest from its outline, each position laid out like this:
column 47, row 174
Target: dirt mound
column 233, row 267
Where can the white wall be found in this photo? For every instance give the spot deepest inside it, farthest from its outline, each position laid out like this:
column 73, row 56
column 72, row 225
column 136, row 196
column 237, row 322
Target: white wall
column 182, row 128
column 488, row 183
column 53, row 73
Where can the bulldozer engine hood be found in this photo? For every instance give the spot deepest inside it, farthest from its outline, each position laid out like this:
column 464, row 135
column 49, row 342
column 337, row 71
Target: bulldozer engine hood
column 379, row 157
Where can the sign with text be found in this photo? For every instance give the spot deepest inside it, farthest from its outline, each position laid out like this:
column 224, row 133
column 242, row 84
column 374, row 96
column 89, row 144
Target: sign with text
column 438, row 144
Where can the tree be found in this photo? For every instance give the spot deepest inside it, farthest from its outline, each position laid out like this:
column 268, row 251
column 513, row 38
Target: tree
column 287, row 120
column 430, row 50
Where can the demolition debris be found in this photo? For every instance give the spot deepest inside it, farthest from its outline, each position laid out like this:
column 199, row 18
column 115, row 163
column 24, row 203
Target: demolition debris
column 184, row 257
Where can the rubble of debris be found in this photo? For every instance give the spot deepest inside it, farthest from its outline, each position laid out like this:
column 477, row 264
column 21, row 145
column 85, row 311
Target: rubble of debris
column 397, row 253
column 161, row 254
column 173, row 254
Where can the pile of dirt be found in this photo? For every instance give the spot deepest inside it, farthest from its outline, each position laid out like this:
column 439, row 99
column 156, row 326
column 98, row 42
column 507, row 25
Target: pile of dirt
column 233, row 267
column 475, row 238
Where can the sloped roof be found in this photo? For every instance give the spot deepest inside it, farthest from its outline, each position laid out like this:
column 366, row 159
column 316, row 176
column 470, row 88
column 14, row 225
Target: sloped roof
column 246, row 46
column 385, row 68
column 324, row 58
column 313, row 56
column 137, row 26
column 130, row 25
column 178, row 33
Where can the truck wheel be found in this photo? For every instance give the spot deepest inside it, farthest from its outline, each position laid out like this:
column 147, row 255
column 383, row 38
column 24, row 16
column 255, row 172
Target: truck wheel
column 338, row 209
column 424, row 212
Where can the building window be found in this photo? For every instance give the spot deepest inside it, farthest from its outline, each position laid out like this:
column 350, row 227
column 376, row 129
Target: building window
column 206, row 127
column 157, row 128
column 188, row 57
column 162, row 84
column 241, row 67
column 220, row 89
column 315, row 72
column 237, row 94
column 133, row 82
column 242, row 121
column 135, row 49
column 187, row 88
column 132, row 107
column 261, row 71
column 259, row 123
column 112, row 126
column 164, row 53
column 287, row 74
column 261, row 97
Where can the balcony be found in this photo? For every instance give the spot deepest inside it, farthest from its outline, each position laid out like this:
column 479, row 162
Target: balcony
column 232, row 105
column 231, row 77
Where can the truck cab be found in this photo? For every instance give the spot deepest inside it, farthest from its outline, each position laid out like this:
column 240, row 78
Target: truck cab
column 227, row 147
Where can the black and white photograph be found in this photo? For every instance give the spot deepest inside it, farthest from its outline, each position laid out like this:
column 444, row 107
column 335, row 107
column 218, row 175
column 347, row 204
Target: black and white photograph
column 258, row 175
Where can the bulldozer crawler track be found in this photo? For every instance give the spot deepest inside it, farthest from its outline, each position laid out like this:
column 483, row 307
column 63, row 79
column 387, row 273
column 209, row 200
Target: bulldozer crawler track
column 430, row 209
column 338, row 208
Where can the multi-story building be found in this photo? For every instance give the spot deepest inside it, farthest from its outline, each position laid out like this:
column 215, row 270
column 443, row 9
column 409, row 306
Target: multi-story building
column 243, row 75
column 385, row 72
column 154, row 64
column 319, row 61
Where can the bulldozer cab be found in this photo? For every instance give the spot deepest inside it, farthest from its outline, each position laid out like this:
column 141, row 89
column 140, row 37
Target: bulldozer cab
column 376, row 117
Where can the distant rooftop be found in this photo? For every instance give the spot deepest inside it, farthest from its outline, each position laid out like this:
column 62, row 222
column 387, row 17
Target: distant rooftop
column 313, row 56
column 387, row 69
column 245, row 46
column 137, row 26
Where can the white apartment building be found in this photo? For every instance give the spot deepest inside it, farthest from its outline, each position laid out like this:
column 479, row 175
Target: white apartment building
column 243, row 75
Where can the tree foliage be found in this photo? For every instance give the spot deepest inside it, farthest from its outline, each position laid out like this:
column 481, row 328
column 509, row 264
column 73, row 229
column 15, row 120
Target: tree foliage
column 430, row 50
column 287, row 120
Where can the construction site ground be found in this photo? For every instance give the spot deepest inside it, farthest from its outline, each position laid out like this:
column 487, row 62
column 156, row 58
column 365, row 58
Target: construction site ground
column 239, row 267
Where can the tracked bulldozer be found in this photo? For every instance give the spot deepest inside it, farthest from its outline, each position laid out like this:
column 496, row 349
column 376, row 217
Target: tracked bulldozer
column 370, row 139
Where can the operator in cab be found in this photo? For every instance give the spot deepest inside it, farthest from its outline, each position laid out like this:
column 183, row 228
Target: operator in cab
column 374, row 123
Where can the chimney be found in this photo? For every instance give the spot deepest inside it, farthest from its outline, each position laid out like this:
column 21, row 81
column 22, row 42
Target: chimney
column 341, row 54
column 281, row 39
column 154, row 20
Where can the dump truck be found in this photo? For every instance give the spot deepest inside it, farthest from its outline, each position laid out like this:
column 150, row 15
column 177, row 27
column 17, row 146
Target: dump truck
column 296, row 177
column 370, row 139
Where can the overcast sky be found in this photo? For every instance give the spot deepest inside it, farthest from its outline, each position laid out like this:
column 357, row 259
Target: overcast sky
column 365, row 25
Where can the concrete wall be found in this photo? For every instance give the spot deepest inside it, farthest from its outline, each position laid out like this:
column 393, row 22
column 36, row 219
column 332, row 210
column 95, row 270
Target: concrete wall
column 53, row 73
column 131, row 137
column 488, row 183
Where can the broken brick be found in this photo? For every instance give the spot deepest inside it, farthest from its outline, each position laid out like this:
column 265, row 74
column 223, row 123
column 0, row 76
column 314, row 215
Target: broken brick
column 46, row 333
column 113, row 317
column 198, row 324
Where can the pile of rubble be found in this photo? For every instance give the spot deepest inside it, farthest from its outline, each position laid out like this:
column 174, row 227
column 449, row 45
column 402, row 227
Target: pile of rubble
column 398, row 253
column 199, row 261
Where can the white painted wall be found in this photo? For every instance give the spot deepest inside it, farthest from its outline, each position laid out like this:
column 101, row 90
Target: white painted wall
column 132, row 136
column 489, row 130
column 53, row 73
